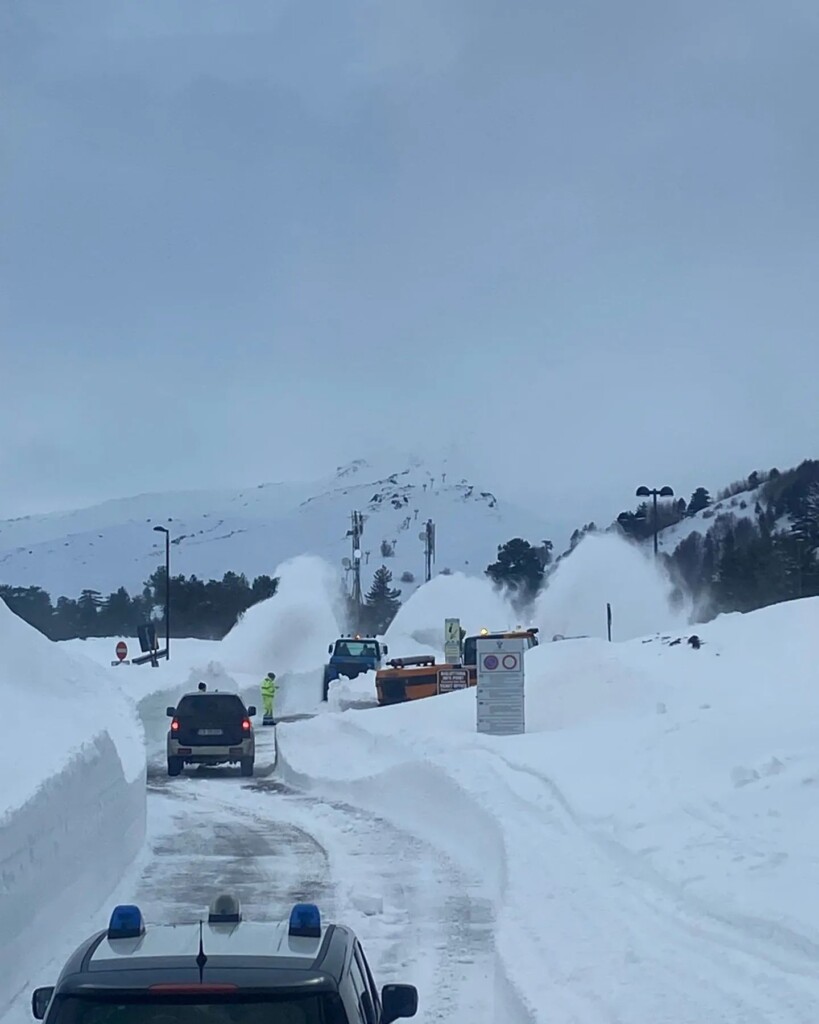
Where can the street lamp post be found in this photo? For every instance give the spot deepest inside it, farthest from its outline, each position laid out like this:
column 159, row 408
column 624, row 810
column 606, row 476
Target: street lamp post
column 162, row 529
column 653, row 492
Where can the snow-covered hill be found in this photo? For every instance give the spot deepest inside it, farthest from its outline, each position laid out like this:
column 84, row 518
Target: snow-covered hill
column 253, row 530
column 742, row 506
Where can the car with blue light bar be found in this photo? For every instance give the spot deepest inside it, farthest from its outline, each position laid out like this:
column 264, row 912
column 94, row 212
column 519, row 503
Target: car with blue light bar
column 211, row 728
column 223, row 970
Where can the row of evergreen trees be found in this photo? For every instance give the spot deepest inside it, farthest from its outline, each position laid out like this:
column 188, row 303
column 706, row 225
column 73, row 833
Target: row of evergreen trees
column 206, row 610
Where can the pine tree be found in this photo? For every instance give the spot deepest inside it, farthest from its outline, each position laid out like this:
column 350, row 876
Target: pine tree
column 116, row 616
column 88, row 606
column 381, row 602
column 519, row 568
column 700, row 500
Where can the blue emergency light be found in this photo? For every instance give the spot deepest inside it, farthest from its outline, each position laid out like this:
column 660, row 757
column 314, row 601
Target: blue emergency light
column 305, row 921
column 126, row 923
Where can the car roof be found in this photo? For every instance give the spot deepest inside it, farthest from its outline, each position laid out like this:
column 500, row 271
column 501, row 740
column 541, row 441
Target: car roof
column 246, row 939
column 211, row 693
column 254, row 955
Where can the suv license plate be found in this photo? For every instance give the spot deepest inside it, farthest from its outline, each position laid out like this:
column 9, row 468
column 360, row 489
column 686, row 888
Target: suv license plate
column 210, row 732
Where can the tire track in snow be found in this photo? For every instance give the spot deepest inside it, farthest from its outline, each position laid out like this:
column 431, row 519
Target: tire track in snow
column 433, row 925
column 420, row 917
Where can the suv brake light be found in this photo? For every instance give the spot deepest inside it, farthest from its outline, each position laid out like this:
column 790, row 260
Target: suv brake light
column 175, row 725
column 246, row 724
column 189, row 989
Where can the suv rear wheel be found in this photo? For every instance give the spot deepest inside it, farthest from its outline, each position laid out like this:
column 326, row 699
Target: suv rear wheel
column 247, row 766
column 175, row 765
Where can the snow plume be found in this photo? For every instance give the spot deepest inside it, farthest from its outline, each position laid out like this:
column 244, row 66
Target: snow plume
column 290, row 631
column 605, row 568
column 214, row 676
column 471, row 599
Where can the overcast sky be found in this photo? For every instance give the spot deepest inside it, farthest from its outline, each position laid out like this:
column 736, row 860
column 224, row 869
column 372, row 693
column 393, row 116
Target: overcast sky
column 250, row 240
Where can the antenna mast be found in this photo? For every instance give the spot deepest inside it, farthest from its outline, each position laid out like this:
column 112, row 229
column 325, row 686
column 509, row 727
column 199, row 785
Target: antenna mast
column 427, row 535
column 354, row 533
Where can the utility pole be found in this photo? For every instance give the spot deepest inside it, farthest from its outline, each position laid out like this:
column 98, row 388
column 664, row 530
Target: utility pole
column 354, row 533
column 427, row 535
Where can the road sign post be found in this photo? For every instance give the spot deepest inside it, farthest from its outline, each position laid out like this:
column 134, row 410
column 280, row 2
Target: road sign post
column 452, row 641
column 500, row 690
column 122, row 654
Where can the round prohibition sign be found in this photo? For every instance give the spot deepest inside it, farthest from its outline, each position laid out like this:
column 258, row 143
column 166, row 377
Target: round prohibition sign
column 490, row 662
column 510, row 661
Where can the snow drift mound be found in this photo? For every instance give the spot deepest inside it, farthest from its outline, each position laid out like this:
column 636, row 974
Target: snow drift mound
column 605, row 568
column 471, row 599
column 72, row 764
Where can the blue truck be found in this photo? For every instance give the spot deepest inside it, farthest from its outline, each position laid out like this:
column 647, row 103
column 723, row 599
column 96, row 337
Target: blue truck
column 352, row 656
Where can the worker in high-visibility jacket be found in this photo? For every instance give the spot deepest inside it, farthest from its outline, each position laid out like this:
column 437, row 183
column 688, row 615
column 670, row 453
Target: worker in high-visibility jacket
column 269, row 688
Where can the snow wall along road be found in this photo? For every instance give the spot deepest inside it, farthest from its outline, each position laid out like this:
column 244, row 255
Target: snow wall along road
column 72, row 796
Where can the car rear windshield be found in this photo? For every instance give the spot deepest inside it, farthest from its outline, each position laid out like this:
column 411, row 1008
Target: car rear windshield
column 211, row 707
column 356, row 649
column 227, row 1009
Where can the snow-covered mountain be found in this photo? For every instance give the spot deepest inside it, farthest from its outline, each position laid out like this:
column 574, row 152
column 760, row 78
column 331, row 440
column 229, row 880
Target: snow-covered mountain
column 253, row 530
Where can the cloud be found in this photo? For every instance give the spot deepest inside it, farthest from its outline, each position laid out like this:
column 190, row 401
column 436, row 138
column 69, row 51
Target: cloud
column 578, row 239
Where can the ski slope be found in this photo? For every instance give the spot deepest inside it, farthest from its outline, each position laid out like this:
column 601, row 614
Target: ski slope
column 252, row 530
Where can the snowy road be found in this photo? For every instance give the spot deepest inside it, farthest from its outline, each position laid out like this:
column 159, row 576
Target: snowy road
column 420, row 918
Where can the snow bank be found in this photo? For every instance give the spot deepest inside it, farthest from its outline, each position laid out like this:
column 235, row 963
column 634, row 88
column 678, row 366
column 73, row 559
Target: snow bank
column 605, row 568
column 72, row 763
column 650, row 841
column 349, row 693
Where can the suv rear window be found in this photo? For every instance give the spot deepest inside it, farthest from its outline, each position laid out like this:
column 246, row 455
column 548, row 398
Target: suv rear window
column 211, row 707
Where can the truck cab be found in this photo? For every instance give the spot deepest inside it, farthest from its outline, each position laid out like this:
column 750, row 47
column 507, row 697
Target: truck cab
column 352, row 656
column 471, row 646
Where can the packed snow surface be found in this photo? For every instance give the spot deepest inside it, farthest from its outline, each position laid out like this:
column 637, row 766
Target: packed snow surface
column 649, row 841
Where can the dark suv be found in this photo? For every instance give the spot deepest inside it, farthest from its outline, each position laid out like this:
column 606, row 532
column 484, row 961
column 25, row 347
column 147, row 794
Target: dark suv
column 211, row 728
column 223, row 971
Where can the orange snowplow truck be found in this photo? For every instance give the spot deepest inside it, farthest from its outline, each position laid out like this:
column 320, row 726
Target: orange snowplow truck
column 471, row 646
column 406, row 679
column 414, row 678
